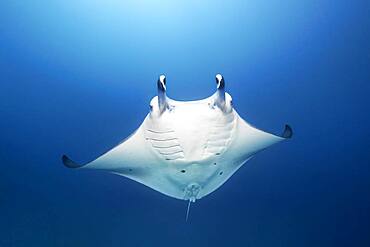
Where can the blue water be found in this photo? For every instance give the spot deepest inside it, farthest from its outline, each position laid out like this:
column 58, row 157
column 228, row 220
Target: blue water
column 76, row 77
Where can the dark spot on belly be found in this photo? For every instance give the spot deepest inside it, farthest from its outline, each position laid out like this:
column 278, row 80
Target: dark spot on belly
column 215, row 163
column 183, row 171
column 130, row 170
column 221, row 173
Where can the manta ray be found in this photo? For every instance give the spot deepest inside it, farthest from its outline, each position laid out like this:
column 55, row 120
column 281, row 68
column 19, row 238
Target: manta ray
column 186, row 149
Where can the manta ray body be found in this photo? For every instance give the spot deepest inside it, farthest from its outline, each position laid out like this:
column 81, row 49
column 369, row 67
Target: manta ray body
column 186, row 149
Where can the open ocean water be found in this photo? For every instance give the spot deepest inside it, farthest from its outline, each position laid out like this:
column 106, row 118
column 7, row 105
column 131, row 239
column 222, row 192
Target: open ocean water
column 76, row 77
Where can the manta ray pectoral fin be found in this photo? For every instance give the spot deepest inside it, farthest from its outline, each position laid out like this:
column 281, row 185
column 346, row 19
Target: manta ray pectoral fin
column 266, row 139
column 251, row 140
column 288, row 132
column 70, row 163
column 129, row 157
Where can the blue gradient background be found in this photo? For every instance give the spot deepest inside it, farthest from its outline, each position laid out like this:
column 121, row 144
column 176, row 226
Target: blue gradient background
column 76, row 77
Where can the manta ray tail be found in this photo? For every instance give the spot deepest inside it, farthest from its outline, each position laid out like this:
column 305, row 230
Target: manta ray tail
column 187, row 211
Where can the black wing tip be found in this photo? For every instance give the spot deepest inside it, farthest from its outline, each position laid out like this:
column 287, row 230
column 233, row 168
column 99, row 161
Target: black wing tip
column 69, row 163
column 288, row 132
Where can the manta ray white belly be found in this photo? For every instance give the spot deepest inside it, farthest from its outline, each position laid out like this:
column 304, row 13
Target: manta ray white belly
column 186, row 150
